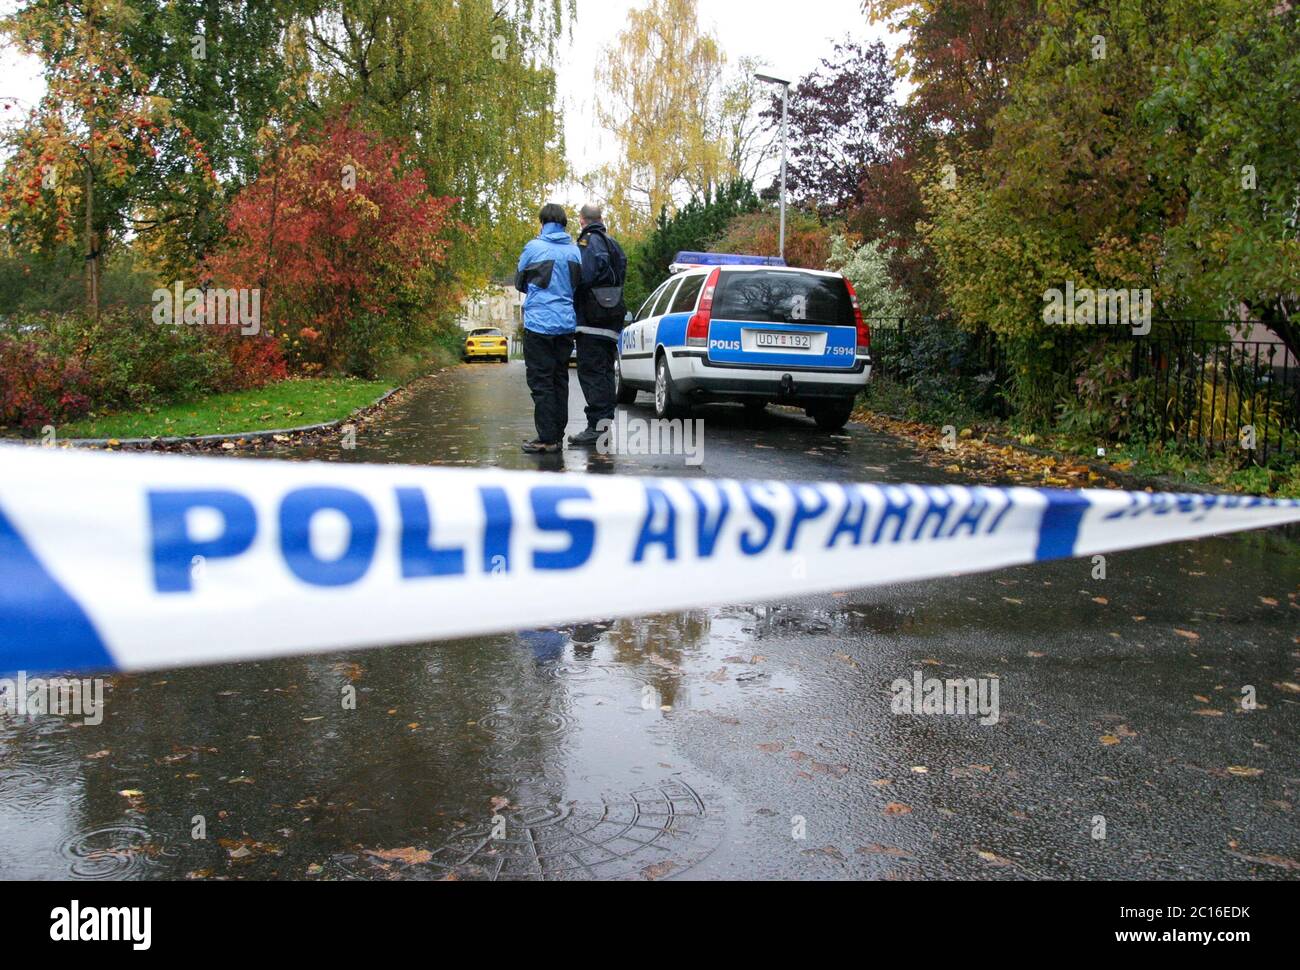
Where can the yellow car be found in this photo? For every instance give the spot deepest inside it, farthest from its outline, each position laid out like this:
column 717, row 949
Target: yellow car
column 486, row 343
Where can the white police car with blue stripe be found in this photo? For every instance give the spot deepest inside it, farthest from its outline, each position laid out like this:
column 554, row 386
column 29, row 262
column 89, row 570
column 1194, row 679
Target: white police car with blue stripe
column 747, row 329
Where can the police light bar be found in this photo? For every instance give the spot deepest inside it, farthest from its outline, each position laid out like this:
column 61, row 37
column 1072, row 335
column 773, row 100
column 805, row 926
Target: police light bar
column 689, row 260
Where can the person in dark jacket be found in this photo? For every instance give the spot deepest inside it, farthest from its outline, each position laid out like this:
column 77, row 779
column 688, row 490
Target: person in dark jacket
column 550, row 270
column 600, row 311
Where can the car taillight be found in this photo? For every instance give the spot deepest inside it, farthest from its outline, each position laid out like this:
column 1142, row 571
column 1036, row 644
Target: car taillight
column 697, row 330
column 864, row 331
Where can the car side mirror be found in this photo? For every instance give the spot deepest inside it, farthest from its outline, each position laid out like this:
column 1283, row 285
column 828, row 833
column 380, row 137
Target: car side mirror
column 627, row 317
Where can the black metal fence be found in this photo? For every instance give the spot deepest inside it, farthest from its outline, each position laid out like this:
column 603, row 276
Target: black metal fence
column 889, row 343
column 1223, row 394
column 1218, row 393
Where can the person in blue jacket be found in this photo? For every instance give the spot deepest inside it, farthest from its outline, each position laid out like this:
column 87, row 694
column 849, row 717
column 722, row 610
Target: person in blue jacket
column 550, row 270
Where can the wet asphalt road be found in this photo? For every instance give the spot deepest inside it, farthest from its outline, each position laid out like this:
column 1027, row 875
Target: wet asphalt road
column 750, row 740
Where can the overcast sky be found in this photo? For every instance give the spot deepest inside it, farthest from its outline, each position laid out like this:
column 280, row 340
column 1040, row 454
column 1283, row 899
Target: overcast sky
column 790, row 35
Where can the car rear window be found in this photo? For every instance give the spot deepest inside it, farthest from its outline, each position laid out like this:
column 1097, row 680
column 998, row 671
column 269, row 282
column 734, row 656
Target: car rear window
column 780, row 296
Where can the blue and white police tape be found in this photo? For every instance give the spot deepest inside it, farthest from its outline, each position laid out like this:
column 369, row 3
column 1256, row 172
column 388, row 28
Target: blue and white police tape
column 136, row 562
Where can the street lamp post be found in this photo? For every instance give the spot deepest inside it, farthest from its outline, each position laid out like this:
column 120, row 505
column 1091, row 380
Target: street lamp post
column 785, row 129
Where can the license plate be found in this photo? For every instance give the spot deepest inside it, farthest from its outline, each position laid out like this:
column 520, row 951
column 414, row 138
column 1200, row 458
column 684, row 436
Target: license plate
column 786, row 341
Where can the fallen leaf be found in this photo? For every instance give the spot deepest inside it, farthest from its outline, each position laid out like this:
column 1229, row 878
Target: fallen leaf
column 409, row 855
column 1270, row 860
column 897, row 808
column 1190, row 635
column 826, row 850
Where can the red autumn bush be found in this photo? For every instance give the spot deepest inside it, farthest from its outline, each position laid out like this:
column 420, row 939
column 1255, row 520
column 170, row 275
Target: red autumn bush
column 342, row 240
column 38, row 386
column 254, row 360
column 57, row 369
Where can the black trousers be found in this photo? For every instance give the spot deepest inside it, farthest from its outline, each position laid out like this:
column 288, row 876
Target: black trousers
column 546, row 365
column 596, row 375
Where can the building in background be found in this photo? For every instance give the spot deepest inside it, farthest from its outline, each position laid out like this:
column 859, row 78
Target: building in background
column 499, row 305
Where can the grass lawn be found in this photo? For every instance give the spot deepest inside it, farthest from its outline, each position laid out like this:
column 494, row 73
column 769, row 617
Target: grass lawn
column 287, row 404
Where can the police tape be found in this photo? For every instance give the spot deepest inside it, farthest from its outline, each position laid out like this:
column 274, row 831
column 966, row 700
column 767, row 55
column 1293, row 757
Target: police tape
column 136, row 562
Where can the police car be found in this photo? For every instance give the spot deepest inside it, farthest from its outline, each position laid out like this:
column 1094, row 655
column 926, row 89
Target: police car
column 748, row 329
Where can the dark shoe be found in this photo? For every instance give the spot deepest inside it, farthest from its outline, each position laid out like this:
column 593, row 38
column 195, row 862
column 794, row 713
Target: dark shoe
column 536, row 447
column 585, row 439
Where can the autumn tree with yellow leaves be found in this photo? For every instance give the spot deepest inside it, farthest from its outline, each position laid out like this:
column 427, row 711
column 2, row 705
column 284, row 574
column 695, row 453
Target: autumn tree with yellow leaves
column 683, row 126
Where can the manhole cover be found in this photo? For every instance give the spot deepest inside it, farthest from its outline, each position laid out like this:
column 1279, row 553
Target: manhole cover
column 651, row 833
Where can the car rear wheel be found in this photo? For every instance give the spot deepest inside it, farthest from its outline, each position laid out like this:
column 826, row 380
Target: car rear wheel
column 668, row 403
column 832, row 416
column 622, row 393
